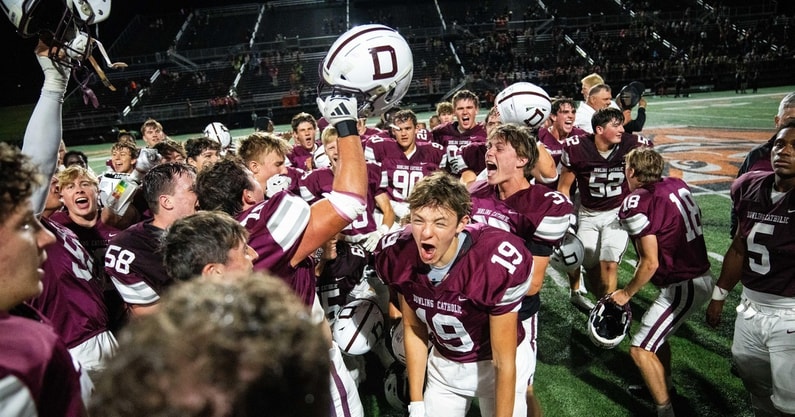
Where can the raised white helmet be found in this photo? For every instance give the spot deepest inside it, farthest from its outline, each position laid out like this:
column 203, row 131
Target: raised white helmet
column 568, row 256
column 523, row 103
column 372, row 62
column 359, row 326
column 396, row 386
column 61, row 24
column 220, row 133
column 608, row 323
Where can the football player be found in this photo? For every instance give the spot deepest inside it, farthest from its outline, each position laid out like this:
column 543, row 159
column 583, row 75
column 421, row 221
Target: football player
column 465, row 130
column 152, row 132
column 664, row 222
column 596, row 162
column 553, row 137
column 265, row 154
column 304, row 131
column 403, row 161
column 540, row 216
column 758, row 158
column 761, row 257
column 132, row 260
column 37, row 372
column 201, row 152
column 460, row 286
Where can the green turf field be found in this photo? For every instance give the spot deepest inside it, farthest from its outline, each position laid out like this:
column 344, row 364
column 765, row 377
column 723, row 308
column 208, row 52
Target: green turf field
column 575, row 378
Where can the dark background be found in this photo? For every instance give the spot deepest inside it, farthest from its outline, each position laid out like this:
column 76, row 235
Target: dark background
column 21, row 76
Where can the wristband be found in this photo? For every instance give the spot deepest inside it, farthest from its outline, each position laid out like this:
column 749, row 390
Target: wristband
column 719, row 294
column 347, row 128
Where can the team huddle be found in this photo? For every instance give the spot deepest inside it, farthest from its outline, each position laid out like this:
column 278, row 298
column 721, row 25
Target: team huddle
column 241, row 277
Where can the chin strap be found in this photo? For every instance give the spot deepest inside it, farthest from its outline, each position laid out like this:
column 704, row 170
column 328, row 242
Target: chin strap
column 108, row 63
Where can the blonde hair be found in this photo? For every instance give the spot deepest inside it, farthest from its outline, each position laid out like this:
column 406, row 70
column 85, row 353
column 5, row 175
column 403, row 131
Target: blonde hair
column 329, row 135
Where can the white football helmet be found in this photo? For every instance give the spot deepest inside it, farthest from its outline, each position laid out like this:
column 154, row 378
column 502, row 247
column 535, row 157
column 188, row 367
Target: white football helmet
column 396, row 386
column 359, row 326
column 373, row 63
column 61, row 24
column 608, row 323
column 396, row 345
column 568, row 256
column 523, row 103
column 219, row 133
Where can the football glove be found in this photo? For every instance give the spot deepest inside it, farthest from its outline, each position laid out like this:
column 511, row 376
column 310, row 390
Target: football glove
column 417, row 409
column 374, row 237
column 147, row 159
column 319, row 157
column 456, row 163
column 338, row 109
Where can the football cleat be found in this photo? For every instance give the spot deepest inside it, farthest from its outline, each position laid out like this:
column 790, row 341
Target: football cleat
column 608, row 323
column 370, row 62
column 523, row 103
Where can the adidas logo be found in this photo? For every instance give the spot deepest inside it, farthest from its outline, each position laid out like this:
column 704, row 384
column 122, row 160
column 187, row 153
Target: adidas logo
column 341, row 110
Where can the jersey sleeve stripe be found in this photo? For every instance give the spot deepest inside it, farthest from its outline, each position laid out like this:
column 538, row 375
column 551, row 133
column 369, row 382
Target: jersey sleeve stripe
column 552, row 229
column 635, row 224
column 516, row 293
column 137, row 293
column 289, row 221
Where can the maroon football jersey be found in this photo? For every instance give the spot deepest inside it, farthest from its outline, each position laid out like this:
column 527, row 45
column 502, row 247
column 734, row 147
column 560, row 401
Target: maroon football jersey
column 276, row 227
column 490, row 276
column 535, row 214
column 135, row 266
column 399, row 173
column 72, row 297
column 95, row 239
column 600, row 180
column 667, row 210
column 315, row 184
column 452, row 139
column 769, row 231
column 339, row 276
column 474, row 157
column 555, row 147
column 299, row 156
column 36, row 367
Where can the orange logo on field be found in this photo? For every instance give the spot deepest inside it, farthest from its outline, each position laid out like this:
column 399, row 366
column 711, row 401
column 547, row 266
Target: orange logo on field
column 705, row 157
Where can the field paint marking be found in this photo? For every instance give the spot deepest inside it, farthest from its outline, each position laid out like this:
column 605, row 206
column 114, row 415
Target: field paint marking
column 686, row 100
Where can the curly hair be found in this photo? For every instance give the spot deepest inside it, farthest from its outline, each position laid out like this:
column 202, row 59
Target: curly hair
column 200, row 239
column 19, row 178
column 240, row 345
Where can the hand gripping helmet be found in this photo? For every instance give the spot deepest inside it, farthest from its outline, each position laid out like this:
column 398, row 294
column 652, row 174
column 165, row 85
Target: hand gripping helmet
column 569, row 254
column 396, row 386
column 523, row 103
column 61, row 24
column 371, row 62
column 396, row 342
column 630, row 94
column 608, row 323
column 359, row 326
